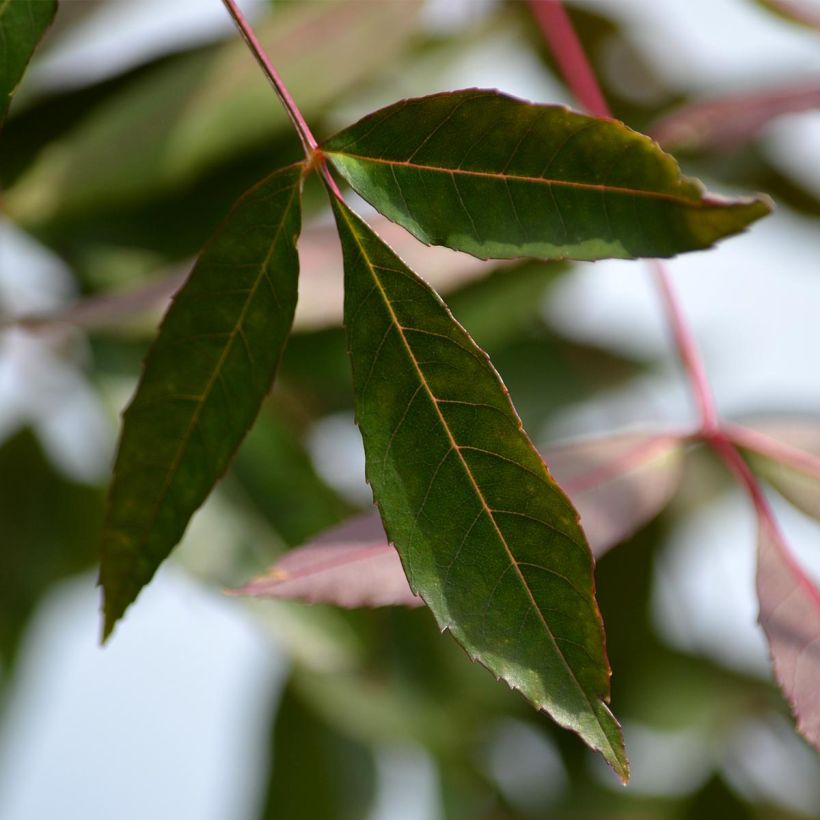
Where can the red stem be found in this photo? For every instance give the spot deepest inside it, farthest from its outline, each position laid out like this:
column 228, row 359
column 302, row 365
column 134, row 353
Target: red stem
column 313, row 154
column 559, row 32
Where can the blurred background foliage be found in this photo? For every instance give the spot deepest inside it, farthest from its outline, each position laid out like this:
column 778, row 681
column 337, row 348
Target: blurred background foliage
column 122, row 174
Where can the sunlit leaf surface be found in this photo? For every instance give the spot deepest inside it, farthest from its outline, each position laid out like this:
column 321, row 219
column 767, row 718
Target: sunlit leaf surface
column 486, row 537
column 498, row 177
column 203, row 383
column 790, row 617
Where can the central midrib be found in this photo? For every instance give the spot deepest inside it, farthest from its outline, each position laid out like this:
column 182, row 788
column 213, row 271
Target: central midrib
column 487, row 509
column 185, row 438
column 703, row 202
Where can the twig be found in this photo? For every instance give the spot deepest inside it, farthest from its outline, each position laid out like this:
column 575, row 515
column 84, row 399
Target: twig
column 559, row 32
column 313, row 154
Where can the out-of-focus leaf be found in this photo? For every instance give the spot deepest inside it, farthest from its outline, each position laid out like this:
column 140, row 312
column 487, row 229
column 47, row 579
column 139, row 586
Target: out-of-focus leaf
column 498, row 177
column 790, row 617
column 795, row 11
column 351, row 565
column 277, row 474
column 320, row 286
column 729, row 122
column 22, row 25
column 486, row 537
column 787, row 453
column 203, row 383
column 317, row 772
column 49, row 526
column 183, row 118
column 618, row 483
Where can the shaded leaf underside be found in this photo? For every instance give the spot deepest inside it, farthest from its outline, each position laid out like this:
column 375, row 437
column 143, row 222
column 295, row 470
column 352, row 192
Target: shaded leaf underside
column 498, row 177
column 203, row 383
column 486, row 537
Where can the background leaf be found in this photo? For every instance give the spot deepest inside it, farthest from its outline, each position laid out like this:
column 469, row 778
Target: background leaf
column 726, row 123
column 22, row 25
column 351, row 565
column 786, row 452
column 318, row 772
column 181, row 118
column 618, row 483
column 203, row 383
column 790, row 617
column 486, row 537
column 498, row 177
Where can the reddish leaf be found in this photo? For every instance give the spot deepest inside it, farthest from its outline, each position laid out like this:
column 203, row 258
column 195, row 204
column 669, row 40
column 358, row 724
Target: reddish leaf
column 786, row 452
column 790, row 617
column 729, row 122
column 617, row 484
column 351, row 565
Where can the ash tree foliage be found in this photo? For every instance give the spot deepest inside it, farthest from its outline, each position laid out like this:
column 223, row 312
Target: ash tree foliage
column 496, row 538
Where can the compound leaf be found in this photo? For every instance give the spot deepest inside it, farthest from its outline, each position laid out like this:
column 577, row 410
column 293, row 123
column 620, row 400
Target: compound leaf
column 486, row 537
column 203, row 383
column 22, row 25
column 498, row 177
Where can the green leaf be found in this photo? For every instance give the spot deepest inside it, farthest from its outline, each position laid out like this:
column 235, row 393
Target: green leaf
column 499, row 177
column 485, row 536
column 204, row 380
column 318, row 772
column 22, row 25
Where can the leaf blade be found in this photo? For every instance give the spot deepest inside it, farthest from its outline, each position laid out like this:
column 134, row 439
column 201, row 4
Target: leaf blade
column 22, row 25
column 407, row 453
column 203, row 383
column 350, row 565
column 790, row 616
column 786, row 452
column 539, row 181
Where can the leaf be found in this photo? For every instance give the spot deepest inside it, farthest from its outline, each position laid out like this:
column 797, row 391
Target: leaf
column 22, row 25
column 350, row 565
column 794, row 11
column 786, row 452
column 618, row 483
column 790, row 617
column 49, row 525
column 726, row 123
column 486, row 537
column 498, row 177
column 204, row 380
column 318, row 771
column 181, row 118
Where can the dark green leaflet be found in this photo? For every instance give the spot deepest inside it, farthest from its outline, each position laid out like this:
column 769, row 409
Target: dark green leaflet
column 22, row 25
column 486, row 537
column 498, row 177
column 204, row 380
